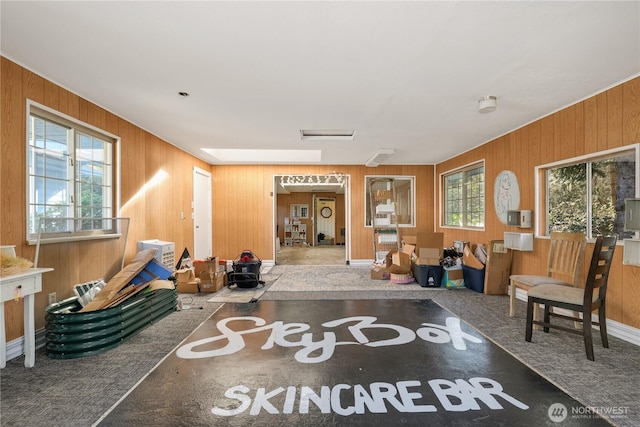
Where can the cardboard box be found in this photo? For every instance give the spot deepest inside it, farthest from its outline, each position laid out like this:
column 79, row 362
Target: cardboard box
column 201, row 266
column 219, row 282
column 378, row 272
column 429, row 248
column 410, row 240
column 453, row 278
column 187, row 281
column 185, row 275
column 408, row 248
column 399, row 262
column 470, row 260
column 496, row 278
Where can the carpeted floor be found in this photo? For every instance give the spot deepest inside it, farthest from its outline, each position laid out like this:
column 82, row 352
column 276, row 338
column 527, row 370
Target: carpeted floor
column 77, row 392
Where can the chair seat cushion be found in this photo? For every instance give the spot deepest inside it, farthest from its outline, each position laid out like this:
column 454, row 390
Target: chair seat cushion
column 560, row 293
column 531, row 281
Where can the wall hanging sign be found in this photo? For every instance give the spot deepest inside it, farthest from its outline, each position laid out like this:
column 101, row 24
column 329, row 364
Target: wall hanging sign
column 506, row 194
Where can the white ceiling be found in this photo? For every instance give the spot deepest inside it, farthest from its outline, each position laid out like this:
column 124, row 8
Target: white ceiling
column 404, row 75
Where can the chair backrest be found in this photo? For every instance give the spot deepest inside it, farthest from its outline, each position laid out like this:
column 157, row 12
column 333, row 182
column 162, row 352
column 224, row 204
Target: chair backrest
column 565, row 256
column 598, row 275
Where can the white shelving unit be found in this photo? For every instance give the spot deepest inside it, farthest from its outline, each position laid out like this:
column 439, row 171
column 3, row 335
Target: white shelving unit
column 295, row 234
column 386, row 234
column 518, row 241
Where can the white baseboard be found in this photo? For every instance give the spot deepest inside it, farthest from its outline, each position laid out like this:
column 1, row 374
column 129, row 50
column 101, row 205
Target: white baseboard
column 15, row 348
column 266, row 263
column 361, row 262
column 616, row 329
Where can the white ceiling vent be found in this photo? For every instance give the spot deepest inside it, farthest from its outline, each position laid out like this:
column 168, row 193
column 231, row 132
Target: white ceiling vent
column 379, row 157
column 327, row 135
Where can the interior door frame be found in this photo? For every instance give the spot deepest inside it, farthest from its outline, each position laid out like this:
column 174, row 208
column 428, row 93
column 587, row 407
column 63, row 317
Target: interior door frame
column 316, row 216
column 347, row 214
column 198, row 232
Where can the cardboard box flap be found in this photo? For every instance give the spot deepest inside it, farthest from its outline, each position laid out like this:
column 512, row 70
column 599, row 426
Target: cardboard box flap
column 470, row 260
column 410, row 240
column 398, row 262
column 430, row 241
column 408, row 249
column 429, row 253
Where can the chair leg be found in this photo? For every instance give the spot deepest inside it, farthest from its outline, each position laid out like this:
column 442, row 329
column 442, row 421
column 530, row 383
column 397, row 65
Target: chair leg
column 512, row 298
column 529, row 328
column 547, row 317
column 536, row 315
column 586, row 332
column 602, row 319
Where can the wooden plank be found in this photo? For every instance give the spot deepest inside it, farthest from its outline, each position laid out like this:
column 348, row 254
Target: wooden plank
column 120, row 280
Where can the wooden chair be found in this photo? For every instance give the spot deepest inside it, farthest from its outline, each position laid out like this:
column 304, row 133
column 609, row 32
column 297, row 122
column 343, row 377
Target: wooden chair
column 584, row 301
column 563, row 266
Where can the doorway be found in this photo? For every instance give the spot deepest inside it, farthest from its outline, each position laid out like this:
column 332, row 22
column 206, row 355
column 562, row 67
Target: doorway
column 324, row 229
column 202, row 213
column 319, row 206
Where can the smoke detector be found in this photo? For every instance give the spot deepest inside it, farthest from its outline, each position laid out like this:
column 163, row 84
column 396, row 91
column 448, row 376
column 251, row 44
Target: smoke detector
column 487, row 104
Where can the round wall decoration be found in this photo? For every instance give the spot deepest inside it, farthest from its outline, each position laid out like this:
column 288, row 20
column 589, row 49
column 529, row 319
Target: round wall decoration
column 506, row 194
column 326, row 212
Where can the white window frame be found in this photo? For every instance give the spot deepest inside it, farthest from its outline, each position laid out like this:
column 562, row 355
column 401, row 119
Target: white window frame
column 443, row 195
column 299, row 211
column 73, row 234
column 541, row 223
column 411, row 197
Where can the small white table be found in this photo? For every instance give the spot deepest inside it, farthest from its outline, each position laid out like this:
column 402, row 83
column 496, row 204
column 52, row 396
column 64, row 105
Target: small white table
column 25, row 285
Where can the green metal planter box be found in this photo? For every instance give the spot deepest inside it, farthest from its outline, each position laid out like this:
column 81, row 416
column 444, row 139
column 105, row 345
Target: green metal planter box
column 71, row 334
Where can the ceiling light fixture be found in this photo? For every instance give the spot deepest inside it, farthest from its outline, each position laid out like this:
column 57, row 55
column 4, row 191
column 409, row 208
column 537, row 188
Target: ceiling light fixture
column 379, row 157
column 327, row 135
column 487, row 104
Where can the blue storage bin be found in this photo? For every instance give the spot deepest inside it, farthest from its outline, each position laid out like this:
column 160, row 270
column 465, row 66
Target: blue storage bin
column 473, row 278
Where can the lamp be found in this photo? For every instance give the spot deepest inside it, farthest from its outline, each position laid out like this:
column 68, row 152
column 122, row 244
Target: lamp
column 379, row 156
column 487, row 104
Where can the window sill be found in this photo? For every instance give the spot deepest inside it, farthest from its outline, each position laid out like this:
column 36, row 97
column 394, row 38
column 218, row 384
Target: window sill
column 68, row 239
column 450, row 227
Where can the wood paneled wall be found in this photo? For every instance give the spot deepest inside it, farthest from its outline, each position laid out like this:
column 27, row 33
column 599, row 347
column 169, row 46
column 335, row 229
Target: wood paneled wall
column 244, row 215
column 244, row 209
column 608, row 120
column 154, row 214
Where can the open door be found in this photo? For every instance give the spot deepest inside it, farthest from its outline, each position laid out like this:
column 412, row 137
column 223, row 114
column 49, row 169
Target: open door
column 325, row 221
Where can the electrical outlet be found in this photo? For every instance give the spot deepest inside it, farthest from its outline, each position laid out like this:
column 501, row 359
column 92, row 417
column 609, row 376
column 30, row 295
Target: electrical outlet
column 52, row 298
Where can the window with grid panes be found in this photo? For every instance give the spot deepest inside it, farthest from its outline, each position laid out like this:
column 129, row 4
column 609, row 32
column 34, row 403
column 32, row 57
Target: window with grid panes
column 70, row 175
column 587, row 196
column 463, row 194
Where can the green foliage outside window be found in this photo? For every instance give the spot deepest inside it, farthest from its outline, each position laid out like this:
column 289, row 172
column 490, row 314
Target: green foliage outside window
column 589, row 197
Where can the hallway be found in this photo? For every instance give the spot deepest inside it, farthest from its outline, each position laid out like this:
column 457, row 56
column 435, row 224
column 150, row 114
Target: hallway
column 310, row 255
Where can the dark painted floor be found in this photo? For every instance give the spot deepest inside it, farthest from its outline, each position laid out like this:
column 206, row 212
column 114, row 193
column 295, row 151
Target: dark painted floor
column 353, row 362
